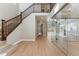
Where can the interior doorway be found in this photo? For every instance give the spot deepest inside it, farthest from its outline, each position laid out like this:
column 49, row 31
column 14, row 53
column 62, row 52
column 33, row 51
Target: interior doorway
column 41, row 26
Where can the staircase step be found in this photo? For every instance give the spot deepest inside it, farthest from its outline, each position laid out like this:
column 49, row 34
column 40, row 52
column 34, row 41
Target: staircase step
column 11, row 50
column 6, row 49
column 2, row 43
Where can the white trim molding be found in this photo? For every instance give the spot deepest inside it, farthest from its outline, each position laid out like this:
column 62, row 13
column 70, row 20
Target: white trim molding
column 23, row 40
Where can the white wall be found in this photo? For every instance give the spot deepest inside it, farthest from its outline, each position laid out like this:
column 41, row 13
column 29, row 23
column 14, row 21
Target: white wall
column 26, row 30
column 23, row 6
column 54, row 10
column 29, row 26
column 74, row 10
column 15, row 36
column 8, row 10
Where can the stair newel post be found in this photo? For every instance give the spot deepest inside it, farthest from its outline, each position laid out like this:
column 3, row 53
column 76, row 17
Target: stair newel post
column 21, row 16
column 3, row 31
column 50, row 7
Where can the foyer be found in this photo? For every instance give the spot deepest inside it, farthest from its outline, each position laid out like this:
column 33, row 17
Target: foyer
column 40, row 47
column 39, row 29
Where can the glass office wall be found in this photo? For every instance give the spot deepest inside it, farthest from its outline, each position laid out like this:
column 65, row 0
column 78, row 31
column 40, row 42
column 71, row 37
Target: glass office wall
column 67, row 29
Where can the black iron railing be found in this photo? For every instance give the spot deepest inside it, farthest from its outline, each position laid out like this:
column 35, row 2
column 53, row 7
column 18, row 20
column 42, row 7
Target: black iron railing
column 11, row 24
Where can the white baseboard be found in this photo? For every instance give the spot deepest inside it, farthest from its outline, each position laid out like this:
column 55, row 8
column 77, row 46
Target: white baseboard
column 28, row 39
column 23, row 40
column 16, row 42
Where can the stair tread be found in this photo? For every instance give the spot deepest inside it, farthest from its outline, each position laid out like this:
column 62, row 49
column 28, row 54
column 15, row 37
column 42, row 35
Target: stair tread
column 2, row 43
column 7, row 49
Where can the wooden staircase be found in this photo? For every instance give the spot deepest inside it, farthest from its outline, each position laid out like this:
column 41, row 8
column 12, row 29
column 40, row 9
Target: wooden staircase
column 10, row 25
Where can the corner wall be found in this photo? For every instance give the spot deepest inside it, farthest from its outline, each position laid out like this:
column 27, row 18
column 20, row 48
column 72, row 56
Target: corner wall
column 29, row 26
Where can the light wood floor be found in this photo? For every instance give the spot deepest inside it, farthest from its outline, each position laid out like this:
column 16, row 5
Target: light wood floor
column 40, row 47
column 73, row 48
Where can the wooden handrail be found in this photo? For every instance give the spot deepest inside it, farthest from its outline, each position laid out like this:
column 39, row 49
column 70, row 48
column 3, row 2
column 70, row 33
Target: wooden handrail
column 21, row 16
column 12, row 18
column 12, row 23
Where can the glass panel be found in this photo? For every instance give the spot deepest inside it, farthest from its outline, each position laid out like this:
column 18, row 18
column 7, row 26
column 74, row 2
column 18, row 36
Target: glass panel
column 52, row 29
column 57, row 30
column 61, row 36
column 67, row 29
column 37, row 8
column 73, row 36
column 27, row 12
